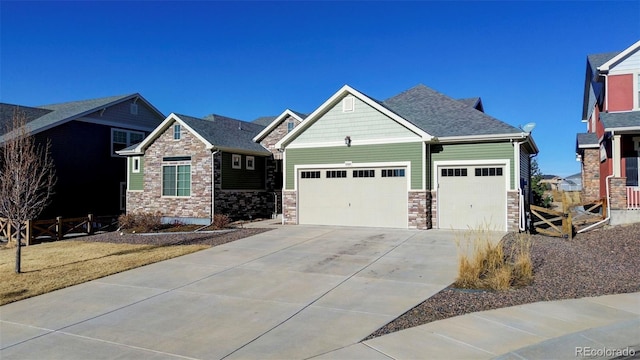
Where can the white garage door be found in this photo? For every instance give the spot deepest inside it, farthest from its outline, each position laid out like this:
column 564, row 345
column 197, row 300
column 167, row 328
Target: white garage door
column 472, row 197
column 353, row 197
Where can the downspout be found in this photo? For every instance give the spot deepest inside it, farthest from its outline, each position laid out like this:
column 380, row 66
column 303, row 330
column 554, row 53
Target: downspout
column 516, row 155
column 608, row 208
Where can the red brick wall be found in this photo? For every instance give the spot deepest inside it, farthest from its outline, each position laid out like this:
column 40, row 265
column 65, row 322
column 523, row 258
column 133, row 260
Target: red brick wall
column 620, row 92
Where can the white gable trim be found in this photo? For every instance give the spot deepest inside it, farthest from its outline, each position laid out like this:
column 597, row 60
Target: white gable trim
column 345, row 90
column 162, row 128
column 607, row 66
column 275, row 124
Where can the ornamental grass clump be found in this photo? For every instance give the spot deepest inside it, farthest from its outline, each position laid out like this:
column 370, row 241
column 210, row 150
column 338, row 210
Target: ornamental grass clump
column 487, row 263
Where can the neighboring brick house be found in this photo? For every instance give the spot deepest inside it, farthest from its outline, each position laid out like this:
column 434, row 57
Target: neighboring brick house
column 610, row 148
column 84, row 137
column 419, row 160
column 276, row 128
column 189, row 169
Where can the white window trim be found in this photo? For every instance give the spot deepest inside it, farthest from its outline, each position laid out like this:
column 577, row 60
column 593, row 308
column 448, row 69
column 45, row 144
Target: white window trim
column 233, row 161
column 176, row 164
column 128, row 143
column 178, row 133
column 135, row 161
column 252, row 160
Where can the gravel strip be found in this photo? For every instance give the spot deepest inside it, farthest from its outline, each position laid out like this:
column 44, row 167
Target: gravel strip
column 599, row 262
column 169, row 238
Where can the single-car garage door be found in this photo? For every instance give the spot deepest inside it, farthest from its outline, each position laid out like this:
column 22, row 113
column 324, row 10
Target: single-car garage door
column 470, row 197
column 353, row 196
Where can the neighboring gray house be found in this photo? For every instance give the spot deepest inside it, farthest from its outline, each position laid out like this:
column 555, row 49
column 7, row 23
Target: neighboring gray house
column 85, row 136
column 419, row 159
column 189, row 169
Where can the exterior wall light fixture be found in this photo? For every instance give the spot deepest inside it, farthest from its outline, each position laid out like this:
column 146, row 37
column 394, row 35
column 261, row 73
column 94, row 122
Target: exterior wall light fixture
column 347, row 141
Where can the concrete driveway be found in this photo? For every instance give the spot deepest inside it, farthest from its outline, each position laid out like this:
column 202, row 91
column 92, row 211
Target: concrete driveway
column 291, row 293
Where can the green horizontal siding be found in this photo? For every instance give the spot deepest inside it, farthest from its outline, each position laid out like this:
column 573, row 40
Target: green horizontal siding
column 481, row 151
column 411, row 152
column 136, row 180
column 243, row 179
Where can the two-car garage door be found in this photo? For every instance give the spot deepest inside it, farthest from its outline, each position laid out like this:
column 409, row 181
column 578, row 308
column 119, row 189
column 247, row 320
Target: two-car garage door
column 372, row 196
column 472, row 197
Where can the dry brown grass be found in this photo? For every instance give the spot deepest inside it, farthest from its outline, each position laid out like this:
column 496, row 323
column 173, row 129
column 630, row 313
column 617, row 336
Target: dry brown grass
column 52, row 266
column 483, row 264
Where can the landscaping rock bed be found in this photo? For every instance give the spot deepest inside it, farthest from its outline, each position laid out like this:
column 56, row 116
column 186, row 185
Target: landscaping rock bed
column 599, row 262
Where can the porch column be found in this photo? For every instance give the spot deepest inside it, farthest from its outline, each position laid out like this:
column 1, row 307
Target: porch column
column 617, row 151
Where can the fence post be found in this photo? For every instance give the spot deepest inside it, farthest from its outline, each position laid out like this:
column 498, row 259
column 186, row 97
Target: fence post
column 90, row 225
column 59, row 227
column 28, row 232
column 9, row 235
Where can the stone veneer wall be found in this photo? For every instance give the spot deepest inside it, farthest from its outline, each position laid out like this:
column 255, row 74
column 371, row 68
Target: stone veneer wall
column 513, row 204
column 275, row 135
column 618, row 193
column 290, row 207
column 591, row 174
column 419, row 210
column 198, row 205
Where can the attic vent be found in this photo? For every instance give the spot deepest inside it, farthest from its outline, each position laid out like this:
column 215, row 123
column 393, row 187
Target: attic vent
column 133, row 109
column 348, row 104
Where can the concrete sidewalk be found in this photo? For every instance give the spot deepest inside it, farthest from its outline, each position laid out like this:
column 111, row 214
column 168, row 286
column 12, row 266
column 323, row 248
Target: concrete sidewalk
column 566, row 329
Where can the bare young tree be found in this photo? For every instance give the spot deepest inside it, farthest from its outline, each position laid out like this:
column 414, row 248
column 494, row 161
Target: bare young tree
column 27, row 176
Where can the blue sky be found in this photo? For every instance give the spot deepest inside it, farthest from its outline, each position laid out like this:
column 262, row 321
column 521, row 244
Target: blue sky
column 526, row 60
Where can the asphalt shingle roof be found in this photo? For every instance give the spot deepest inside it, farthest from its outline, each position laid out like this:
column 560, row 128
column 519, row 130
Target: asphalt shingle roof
column 597, row 60
column 620, row 120
column 441, row 116
column 587, row 139
column 264, row 120
column 222, row 131
column 7, row 111
column 50, row 115
column 470, row 101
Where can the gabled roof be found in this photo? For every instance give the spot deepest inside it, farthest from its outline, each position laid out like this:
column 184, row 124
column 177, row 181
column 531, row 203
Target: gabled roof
column 595, row 61
column 338, row 96
column 216, row 132
column 276, row 121
column 604, row 68
column 621, row 121
column 442, row 116
column 57, row 114
column 587, row 140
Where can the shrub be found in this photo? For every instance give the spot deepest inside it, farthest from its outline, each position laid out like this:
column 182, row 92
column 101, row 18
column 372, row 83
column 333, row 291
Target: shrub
column 484, row 264
column 141, row 222
column 221, row 221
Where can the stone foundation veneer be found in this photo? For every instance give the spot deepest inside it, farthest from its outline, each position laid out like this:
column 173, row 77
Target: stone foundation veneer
column 591, row 175
column 434, row 209
column 419, row 210
column 513, row 212
column 289, row 207
column 618, row 193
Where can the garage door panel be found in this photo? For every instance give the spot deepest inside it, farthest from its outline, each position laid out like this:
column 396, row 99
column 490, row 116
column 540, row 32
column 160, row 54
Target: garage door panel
column 354, row 200
column 472, row 197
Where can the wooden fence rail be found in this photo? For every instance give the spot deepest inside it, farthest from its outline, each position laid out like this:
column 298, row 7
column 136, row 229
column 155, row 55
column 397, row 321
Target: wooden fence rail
column 58, row 228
